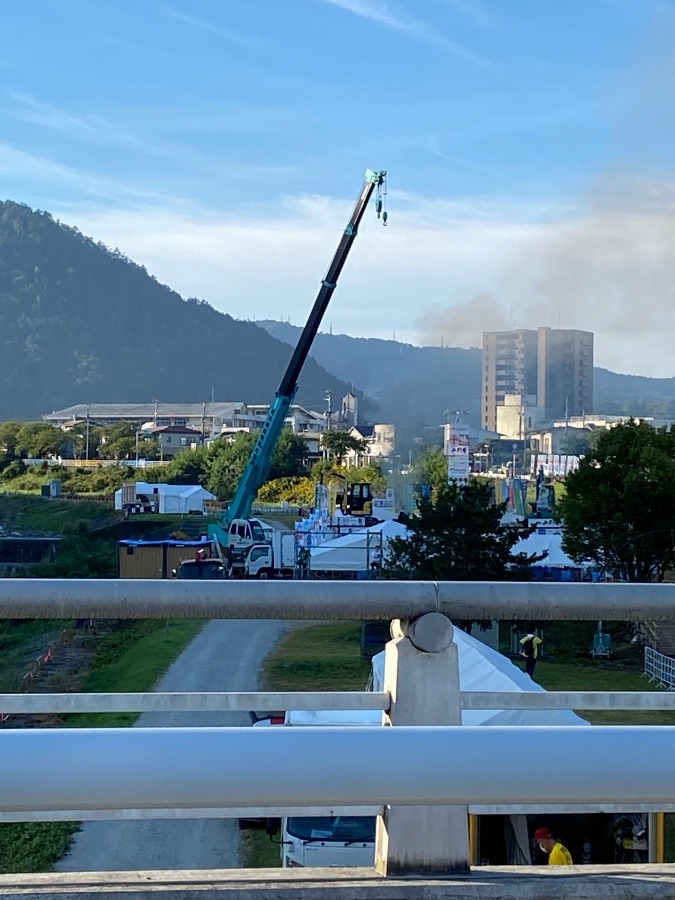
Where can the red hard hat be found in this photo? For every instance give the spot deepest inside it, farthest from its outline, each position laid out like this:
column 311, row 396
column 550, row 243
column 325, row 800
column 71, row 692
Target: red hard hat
column 542, row 834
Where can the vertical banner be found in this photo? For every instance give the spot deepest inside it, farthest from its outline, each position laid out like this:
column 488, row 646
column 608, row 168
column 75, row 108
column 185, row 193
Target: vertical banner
column 456, row 447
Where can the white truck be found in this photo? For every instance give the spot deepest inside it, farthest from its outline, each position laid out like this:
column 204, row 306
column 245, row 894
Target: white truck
column 272, row 558
column 334, row 838
column 257, row 550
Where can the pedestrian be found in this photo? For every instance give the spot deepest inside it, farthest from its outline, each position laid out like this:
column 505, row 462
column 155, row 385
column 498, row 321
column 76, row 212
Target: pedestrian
column 558, row 854
column 529, row 649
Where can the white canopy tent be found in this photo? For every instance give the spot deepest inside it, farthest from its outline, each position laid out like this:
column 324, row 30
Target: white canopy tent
column 549, row 542
column 357, row 551
column 483, row 669
column 172, row 498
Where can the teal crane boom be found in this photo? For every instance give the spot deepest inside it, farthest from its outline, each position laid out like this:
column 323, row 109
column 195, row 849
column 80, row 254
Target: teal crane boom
column 259, row 460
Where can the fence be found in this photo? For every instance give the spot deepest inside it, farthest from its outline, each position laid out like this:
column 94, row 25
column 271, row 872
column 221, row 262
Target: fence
column 660, row 668
column 94, row 463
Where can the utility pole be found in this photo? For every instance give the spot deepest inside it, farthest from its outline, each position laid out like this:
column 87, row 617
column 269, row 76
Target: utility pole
column 203, row 422
column 329, row 410
column 86, row 444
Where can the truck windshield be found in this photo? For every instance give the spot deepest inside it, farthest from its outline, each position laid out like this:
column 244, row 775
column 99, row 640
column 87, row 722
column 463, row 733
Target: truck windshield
column 257, row 532
column 332, row 828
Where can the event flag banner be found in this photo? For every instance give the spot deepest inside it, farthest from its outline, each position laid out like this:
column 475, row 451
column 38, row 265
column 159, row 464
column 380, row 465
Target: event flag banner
column 554, row 465
column 456, row 447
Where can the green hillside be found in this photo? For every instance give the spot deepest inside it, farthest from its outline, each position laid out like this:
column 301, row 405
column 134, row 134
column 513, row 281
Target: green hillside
column 80, row 323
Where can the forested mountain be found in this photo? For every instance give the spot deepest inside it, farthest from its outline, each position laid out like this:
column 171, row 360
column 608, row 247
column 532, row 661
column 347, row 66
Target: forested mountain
column 426, row 381
column 80, row 323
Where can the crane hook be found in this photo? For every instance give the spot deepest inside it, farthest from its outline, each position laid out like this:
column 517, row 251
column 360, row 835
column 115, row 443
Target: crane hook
column 381, row 199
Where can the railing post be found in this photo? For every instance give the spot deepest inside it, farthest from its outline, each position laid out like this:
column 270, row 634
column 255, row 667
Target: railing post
column 421, row 672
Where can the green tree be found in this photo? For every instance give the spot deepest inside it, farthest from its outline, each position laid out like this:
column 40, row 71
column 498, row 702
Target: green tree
column 229, row 460
column 8, row 435
column 289, row 459
column 120, row 441
column 337, row 443
column 189, row 467
column 457, row 535
column 39, row 440
column 619, row 506
column 431, row 468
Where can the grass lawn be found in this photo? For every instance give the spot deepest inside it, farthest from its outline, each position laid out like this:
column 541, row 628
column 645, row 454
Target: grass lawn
column 51, row 514
column 129, row 658
column 602, row 676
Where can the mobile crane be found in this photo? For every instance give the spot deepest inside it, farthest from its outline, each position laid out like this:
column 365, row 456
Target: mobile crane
column 237, row 531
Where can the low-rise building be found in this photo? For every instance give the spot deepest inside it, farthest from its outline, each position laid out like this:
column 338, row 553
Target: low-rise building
column 380, row 444
column 171, row 439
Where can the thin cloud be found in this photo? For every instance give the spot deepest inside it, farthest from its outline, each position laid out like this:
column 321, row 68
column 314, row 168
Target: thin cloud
column 207, row 26
column 474, row 10
column 36, row 168
column 392, row 17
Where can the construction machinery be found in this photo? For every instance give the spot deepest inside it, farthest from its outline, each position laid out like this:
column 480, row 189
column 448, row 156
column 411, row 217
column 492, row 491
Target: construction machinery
column 236, row 531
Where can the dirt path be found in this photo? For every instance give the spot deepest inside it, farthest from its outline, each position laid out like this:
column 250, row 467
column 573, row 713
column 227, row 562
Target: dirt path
column 225, row 656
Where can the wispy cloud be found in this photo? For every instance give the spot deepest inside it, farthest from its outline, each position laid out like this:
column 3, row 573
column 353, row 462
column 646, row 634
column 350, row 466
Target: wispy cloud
column 35, row 169
column 184, row 158
column 397, row 19
column 196, row 22
column 474, row 10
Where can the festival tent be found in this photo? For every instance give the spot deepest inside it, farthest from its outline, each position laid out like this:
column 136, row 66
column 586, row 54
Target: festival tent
column 483, row 669
column 357, row 551
column 556, row 564
column 170, row 498
column 549, row 542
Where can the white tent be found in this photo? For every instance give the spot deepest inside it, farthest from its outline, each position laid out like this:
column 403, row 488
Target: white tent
column 483, row 669
column 549, row 542
column 355, row 552
column 172, row 498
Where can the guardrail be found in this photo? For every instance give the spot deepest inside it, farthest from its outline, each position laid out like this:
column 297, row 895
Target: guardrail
column 184, row 772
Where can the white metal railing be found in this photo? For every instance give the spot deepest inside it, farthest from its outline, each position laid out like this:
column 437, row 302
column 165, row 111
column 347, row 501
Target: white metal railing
column 421, row 688
column 281, row 701
column 660, row 668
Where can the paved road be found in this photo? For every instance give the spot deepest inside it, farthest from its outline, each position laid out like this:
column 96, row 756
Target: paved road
column 225, row 656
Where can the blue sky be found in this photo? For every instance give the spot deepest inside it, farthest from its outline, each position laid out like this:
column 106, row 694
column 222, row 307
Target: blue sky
column 221, row 143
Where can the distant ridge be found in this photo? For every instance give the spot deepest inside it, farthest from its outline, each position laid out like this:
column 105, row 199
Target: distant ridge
column 80, row 323
column 428, row 381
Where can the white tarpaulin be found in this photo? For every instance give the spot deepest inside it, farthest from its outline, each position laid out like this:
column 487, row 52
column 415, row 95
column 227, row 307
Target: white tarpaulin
column 357, row 551
column 483, row 669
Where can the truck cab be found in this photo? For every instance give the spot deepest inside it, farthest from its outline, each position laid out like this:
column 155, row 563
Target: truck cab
column 332, row 839
column 328, row 841
column 193, row 569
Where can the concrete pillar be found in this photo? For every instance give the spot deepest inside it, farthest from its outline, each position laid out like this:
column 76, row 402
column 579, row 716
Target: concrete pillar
column 421, row 672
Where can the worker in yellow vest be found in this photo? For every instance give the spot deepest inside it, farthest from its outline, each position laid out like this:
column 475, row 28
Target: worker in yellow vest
column 529, row 649
column 558, row 854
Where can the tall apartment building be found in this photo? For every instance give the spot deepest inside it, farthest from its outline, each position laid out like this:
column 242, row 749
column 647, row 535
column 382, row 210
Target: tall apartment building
column 550, row 368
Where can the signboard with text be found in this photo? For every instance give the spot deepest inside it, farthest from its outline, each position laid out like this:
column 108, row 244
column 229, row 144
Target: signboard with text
column 456, row 448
